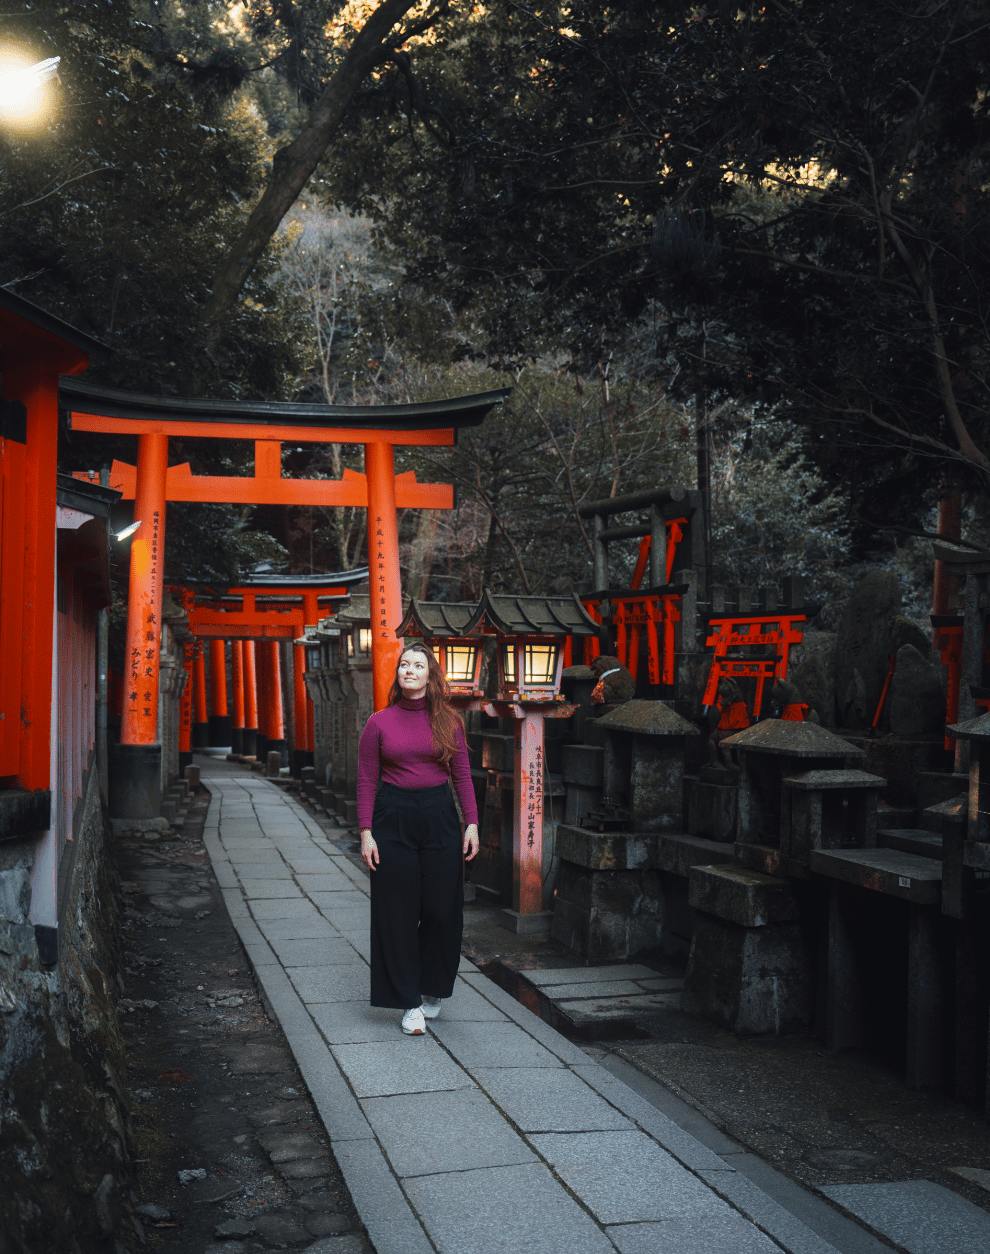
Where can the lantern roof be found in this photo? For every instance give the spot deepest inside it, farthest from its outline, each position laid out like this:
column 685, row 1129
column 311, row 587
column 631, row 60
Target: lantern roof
column 358, row 611
column 437, row 618
column 972, row 729
column 792, row 740
column 562, row 615
column 647, row 718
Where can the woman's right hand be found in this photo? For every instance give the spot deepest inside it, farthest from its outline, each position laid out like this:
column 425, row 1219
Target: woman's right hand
column 369, row 850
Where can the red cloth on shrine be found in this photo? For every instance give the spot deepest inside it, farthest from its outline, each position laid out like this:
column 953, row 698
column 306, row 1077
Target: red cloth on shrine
column 795, row 713
column 735, row 717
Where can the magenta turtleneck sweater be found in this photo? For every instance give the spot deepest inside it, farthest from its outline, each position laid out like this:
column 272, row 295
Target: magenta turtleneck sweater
column 398, row 742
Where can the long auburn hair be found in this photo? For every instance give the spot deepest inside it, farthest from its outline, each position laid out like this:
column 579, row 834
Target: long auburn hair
column 445, row 722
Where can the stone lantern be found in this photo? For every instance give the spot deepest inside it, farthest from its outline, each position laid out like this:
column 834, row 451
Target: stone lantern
column 443, row 626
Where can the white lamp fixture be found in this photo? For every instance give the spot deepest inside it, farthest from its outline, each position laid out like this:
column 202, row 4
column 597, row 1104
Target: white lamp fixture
column 19, row 83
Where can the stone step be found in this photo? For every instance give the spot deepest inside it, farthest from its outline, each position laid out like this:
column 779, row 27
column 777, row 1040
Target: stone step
column 911, row 840
column 936, row 786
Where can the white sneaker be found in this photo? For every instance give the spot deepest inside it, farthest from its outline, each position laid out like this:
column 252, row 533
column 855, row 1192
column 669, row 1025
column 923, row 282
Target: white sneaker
column 431, row 1007
column 413, row 1023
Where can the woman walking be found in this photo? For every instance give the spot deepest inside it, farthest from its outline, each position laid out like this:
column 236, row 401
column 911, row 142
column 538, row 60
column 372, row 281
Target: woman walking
column 411, row 839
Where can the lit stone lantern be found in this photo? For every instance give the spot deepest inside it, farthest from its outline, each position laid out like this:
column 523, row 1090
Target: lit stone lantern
column 530, row 633
column 441, row 625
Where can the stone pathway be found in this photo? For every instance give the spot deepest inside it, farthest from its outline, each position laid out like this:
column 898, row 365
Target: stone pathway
column 590, row 995
column 495, row 1133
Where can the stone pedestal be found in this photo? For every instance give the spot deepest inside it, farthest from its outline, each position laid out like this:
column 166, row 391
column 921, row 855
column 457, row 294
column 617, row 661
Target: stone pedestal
column 768, row 753
column 643, row 770
column 610, row 898
column 712, row 803
column 748, row 969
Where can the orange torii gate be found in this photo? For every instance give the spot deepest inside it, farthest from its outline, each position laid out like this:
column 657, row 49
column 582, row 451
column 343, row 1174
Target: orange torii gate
column 257, row 615
column 136, row 792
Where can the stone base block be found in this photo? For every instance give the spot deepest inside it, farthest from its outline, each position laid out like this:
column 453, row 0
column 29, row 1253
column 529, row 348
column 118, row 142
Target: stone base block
column 753, row 981
column 581, row 801
column 605, row 915
column 607, row 851
column 584, row 765
column 712, row 809
column 527, row 924
column 741, row 896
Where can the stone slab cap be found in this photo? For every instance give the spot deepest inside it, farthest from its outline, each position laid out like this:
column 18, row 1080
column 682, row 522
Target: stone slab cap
column 748, row 898
column 814, row 781
column 972, row 729
column 648, row 718
column 793, row 740
column 607, row 851
column 954, row 811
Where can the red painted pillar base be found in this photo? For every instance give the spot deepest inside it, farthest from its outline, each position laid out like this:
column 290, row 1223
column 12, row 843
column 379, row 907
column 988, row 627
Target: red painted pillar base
column 527, row 915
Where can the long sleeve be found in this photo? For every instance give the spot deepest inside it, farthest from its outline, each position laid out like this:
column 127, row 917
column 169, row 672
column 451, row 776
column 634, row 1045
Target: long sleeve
column 369, row 768
column 460, row 774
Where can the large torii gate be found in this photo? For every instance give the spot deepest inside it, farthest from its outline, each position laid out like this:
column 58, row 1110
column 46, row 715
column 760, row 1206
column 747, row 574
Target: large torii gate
column 136, row 792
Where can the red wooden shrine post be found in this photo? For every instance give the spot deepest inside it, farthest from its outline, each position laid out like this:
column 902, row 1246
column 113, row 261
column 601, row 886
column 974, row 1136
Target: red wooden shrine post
column 154, row 419
column 219, row 714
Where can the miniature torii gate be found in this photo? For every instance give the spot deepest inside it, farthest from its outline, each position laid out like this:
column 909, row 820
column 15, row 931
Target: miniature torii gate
column 154, row 418
column 284, row 612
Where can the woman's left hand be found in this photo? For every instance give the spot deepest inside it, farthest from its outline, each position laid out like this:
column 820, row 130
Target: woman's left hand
column 470, row 841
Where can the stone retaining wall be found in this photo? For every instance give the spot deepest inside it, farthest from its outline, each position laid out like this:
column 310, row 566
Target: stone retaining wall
column 65, row 1160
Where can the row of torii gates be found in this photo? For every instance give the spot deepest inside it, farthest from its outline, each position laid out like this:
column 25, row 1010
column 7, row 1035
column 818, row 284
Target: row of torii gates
column 136, row 761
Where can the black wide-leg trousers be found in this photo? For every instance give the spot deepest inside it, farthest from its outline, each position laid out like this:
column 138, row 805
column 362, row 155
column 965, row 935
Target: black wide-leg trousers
column 417, row 895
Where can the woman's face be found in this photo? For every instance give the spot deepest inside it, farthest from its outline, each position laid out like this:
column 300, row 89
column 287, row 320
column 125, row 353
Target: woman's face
column 414, row 673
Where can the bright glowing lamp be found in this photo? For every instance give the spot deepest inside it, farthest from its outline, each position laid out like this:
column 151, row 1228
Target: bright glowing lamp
column 19, row 85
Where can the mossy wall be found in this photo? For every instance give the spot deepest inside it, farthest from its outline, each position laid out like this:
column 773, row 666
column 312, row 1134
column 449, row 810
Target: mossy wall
column 66, row 1175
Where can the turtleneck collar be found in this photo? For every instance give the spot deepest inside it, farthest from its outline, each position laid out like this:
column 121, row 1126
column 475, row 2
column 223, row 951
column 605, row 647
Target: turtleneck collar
column 407, row 703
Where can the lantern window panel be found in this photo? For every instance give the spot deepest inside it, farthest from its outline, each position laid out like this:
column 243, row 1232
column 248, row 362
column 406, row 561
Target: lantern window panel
column 459, row 662
column 540, row 665
column 364, row 639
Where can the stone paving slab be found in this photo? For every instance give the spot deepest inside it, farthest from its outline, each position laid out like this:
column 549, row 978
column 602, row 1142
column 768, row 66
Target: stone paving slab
column 474, row 1132
column 625, row 1177
column 923, row 1217
column 328, row 881
column 582, row 975
column 581, row 1012
column 289, row 908
column 353, row 1022
column 427, row 1129
column 466, row 1005
column 490, row 1044
column 522, row 1208
column 728, row 1234
column 313, row 927
column 324, row 952
column 593, row 988
column 547, row 1100
column 339, row 900
column 268, row 888
column 331, row 984
column 412, row 1064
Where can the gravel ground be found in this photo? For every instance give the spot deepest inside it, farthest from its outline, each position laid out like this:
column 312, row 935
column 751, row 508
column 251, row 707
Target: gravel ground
column 213, row 1085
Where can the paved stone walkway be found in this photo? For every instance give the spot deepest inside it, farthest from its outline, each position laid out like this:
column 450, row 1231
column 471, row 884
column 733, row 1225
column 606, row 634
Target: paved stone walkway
column 494, row 1133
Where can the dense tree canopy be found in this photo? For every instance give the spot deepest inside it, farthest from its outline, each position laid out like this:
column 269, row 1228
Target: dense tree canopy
column 768, row 218
column 791, row 196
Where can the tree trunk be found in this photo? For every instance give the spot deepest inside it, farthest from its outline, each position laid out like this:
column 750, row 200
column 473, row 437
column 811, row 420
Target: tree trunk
column 294, row 164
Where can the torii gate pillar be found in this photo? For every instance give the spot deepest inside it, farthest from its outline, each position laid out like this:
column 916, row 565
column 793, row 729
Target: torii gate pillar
column 384, row 576
column 135, row 781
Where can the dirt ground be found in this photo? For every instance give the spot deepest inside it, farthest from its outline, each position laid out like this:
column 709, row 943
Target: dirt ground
column 213, row 1085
